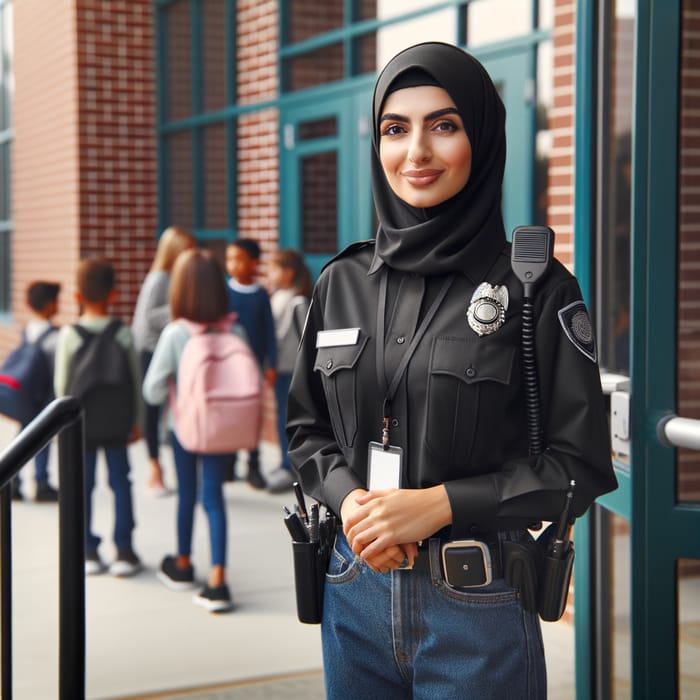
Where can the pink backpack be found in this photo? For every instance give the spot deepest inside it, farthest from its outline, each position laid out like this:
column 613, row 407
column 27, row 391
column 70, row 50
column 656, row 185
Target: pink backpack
column 217, row 405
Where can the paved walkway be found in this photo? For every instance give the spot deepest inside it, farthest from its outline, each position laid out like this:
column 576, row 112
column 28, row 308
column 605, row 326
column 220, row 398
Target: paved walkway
column 144, row 641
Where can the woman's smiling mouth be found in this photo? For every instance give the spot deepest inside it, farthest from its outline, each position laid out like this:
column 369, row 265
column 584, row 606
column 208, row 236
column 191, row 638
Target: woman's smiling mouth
column 421, row 178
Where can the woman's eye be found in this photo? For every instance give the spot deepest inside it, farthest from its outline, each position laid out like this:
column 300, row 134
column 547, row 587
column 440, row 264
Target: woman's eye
column 445, row 126
column 392, row 130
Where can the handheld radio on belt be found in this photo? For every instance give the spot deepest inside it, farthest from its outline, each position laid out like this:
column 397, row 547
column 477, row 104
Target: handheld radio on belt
column 541, row 570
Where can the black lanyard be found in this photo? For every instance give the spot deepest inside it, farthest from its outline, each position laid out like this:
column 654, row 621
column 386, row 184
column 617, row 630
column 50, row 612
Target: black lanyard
column 390, row 391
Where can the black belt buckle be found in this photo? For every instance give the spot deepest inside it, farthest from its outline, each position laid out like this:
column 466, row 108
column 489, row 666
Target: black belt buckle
column 466, row 564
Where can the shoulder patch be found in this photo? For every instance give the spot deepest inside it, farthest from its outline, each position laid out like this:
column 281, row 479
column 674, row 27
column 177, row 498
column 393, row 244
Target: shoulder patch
column 577, row 325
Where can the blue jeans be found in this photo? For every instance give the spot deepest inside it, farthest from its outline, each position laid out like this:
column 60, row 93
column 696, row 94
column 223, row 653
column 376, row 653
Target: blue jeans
column 281, row 391
column 408, row 635
column 213, row 467
column 118, row 469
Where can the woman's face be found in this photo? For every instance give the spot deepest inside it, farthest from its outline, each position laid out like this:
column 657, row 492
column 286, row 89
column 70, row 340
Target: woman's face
column 423, row 147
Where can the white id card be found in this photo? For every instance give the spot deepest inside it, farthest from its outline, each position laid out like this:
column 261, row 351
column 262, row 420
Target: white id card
column 384, row 467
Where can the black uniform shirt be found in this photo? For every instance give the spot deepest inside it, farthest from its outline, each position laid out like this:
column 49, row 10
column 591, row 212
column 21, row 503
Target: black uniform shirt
column 459, row 412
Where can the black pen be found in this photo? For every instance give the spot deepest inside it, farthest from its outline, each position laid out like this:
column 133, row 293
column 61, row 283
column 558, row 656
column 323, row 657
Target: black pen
column 300, row 500
column 295, row 526
column 314, row 531
column 560, row 545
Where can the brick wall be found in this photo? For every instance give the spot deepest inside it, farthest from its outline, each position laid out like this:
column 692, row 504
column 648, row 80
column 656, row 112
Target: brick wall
column 258, row 147
column 561, row 168
column 688, row 484
column 45, row 178
column 84, row 177
column 117, row 148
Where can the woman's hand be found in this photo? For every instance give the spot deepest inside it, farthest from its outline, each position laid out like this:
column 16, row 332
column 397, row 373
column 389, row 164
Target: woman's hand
column 383, row 527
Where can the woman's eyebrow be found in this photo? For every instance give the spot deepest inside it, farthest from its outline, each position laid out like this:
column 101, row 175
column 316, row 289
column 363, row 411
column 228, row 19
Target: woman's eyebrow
column 391, row 116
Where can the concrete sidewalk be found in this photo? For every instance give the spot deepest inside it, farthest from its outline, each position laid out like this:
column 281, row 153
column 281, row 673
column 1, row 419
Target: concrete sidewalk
column 145, row 641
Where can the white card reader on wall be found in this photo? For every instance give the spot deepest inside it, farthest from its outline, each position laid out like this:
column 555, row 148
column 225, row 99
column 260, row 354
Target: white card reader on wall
column 620, row 419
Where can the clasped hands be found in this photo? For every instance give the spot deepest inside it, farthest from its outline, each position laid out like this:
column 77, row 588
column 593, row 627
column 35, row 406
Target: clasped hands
column 384, row 527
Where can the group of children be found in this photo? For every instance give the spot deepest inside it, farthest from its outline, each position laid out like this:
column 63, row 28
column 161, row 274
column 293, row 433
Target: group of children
column 185, row 283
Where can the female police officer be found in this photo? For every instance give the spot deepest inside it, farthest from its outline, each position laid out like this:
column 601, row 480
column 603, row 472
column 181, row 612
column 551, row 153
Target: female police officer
column 407, row 412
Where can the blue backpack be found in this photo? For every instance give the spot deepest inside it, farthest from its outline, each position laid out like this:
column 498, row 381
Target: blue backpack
column 26, row 384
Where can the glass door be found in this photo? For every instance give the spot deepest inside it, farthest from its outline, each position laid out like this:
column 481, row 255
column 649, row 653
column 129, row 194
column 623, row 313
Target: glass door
column 513, row 75
column 638, row 578
column 324, row 175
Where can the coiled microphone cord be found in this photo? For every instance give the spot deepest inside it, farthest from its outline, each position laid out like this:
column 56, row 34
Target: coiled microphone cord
column 532, row 397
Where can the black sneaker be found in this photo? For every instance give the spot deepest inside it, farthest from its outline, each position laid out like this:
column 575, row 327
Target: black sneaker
column 45, row 493
column 175, row 577
column 214, row 600
column 127, row 564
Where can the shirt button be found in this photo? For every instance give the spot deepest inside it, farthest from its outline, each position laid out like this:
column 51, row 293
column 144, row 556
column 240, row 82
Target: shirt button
column 470, row 372
column 329, row 364
column 401, row 340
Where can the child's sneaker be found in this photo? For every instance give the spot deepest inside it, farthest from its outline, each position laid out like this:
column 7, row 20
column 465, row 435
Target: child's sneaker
column 175, row 577
column 93, row 564
column 127, row 564
column 217, row 599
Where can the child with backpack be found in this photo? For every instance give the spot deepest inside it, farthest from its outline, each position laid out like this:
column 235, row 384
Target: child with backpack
column 26, row 379
column 252, row 304
column 291, row 284
column 96, row 362
column 204, row 364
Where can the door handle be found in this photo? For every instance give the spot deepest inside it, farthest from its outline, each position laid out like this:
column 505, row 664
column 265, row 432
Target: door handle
column 674, row 431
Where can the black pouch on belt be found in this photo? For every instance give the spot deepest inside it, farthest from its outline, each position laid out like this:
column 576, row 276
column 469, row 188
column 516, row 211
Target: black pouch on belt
column 310, row 563
column 556, row 576
column 522, row 564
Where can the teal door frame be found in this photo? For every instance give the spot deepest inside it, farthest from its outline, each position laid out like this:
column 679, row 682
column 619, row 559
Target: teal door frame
column 513, row 72
column 661, row 531
column 349, row 104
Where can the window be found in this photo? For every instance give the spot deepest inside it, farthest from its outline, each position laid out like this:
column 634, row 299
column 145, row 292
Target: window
column 196, row 127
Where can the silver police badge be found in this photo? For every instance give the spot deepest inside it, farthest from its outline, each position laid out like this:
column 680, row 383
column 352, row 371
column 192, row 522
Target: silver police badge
column 487, row 308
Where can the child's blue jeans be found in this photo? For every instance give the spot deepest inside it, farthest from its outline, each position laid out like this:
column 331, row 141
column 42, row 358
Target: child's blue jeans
column 118, row 469
column 212, row 469
column 406, row 634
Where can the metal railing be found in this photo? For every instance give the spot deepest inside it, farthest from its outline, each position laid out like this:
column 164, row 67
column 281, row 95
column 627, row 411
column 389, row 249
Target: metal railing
column 62, row 417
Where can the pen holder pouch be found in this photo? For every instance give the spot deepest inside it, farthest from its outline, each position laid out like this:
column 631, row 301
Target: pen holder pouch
column 554, row 586
column 309, row 577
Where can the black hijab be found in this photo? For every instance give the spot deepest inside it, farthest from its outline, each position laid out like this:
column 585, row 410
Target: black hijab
column 465, row 233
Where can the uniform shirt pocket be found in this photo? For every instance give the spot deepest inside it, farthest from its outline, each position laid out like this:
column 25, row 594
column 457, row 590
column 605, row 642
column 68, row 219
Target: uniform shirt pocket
column 337, row 366
column 466, row 387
